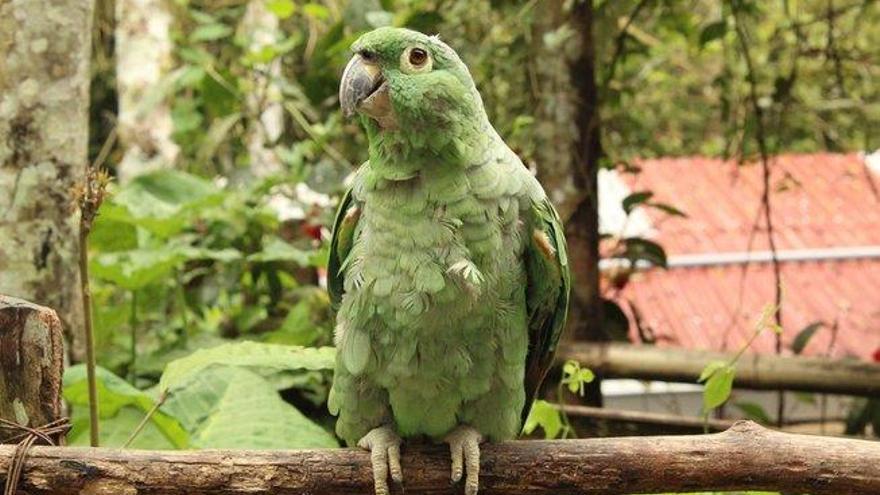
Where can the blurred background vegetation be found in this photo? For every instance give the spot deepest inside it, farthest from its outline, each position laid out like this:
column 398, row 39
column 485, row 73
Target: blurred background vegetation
column 196, row 266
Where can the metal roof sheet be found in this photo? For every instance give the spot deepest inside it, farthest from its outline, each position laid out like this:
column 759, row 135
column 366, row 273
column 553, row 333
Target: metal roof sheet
column 819, row 201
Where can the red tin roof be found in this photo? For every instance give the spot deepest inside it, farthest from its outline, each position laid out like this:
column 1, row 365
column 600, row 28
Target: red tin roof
column 820, row 201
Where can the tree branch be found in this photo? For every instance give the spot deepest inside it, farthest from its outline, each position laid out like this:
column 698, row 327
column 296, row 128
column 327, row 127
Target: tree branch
column 810, row 374
column 620, row 42
column 746, row 457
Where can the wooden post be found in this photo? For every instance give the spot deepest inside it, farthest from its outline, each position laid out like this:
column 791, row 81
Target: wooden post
column 746, row 457
column 31, row 363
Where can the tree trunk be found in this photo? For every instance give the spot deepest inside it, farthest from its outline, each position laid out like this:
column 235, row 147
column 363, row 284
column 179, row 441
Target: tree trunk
column 31, row 362
column 143, row 59
column 746, row 457
column 44, row 81
column 261, row 28
column 568, row 156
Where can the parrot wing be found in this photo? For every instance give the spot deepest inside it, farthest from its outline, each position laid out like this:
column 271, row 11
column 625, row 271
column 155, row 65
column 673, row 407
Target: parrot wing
column 341, row 240
column 547, row 292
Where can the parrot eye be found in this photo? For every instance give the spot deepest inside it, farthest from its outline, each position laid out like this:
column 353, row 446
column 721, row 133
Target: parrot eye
column 418, row 57
column 415, row 60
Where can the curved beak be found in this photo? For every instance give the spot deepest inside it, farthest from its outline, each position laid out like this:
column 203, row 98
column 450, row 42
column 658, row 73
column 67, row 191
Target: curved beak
column 360, row 80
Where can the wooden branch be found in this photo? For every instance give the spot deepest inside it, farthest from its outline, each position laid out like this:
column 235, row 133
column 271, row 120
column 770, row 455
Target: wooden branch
column 646, row 418
column 746, row 457
column 768, row 372
column 31, row 361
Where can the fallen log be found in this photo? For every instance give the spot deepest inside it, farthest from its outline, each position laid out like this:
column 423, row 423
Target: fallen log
column 763, row 372
column 745, row 457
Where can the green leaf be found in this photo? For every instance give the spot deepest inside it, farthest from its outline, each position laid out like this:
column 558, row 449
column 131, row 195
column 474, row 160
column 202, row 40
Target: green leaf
column 222, row 395
column 278, row 250
column 668, row 209
column 545, row 415
column 191, row 77
column 297, row 328
column 224, row 255
column 718, row 387
column 574, row 376
column 186, row 116
column 635, row 199
column 643, row 249
column 112, row 235
column 136, row 268
column 115, row 430
column 195, row 55
column 265, row 358
column 316, row 11
column 216, row 135
column 710, row 370
column 163, row 202
column 250, row 317
column 281, row 8
column 210, row 32
column 585, row 375
column 803, row 337
column 713, row 31
column 754, row 411
column 237, row 408
column 202, row 17
column 117, row 397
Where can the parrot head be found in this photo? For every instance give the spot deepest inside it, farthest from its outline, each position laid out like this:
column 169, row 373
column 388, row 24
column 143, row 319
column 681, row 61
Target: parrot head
column 412, row 91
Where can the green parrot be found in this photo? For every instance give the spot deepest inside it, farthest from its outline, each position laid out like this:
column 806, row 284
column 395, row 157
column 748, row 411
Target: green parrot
column 447, row 267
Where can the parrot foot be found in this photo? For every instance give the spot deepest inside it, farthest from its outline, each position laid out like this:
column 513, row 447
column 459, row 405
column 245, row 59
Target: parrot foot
column 384, row 446
column 464, row 445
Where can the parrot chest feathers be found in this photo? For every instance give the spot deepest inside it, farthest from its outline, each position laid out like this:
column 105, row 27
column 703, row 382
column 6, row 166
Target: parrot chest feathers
column 436, row 244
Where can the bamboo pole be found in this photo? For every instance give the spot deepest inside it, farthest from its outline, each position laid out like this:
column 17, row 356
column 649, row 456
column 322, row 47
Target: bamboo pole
column 647, row 418
column 765, row 372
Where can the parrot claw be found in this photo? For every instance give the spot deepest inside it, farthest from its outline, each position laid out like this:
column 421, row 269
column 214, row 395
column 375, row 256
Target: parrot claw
column 464, row 445
column 384, row 446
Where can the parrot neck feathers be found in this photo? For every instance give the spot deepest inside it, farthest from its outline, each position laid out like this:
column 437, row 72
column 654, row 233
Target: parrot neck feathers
column 404, row 153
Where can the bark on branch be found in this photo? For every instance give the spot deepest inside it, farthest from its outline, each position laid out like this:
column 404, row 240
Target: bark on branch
column 811, row 374
column 745, row 457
